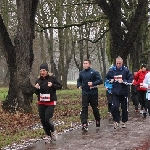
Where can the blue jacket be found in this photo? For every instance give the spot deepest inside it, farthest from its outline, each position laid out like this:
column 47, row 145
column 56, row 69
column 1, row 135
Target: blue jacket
column 89, row 75
column 108, row 85
column 127, row 77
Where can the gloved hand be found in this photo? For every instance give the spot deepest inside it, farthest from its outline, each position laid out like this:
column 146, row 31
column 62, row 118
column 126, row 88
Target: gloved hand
column 80, row 87
column 112, row 80
column 37, row 86
column 120, row 81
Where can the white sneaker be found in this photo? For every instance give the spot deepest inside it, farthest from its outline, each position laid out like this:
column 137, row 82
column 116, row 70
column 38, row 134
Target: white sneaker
column 141, row 111
column 85, row 128
column 47, row 139
column 53, row 136
column 124, row 125
column 116, row 125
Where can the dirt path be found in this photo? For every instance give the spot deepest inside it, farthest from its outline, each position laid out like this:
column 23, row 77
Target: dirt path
column 135, row 137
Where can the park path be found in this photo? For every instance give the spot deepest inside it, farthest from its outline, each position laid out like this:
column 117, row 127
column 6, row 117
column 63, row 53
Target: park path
column 135, row 137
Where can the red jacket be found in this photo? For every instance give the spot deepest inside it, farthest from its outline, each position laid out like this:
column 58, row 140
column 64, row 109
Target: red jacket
column 139, row 77
column 134, row 82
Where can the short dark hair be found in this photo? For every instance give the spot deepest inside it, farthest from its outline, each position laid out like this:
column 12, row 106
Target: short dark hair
column 143, row 65
column 135, row 70
column 87, row 60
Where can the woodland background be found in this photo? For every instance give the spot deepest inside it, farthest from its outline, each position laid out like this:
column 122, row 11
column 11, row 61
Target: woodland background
column 64, row 32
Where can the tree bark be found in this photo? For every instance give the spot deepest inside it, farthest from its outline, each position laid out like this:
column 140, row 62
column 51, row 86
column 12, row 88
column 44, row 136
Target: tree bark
column 122, row 45
column 20, row 58
column 113, row 12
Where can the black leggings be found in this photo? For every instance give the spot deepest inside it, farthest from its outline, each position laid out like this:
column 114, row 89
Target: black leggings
column 46, row 114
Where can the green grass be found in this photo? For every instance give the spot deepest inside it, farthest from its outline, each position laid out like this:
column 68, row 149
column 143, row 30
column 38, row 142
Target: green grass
column 3, row 93
column 67, row 110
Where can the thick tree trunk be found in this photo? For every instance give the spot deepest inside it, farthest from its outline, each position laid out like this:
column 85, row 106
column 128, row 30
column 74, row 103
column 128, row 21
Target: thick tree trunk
column 148, row 59
column 20, row 59
column 113, row 12
column 115, row 28
column 122, row 45
column 134, row 27
column 103, row 53
column 9, row 52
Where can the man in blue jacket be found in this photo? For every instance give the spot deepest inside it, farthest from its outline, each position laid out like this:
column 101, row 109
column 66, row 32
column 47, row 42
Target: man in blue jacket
column 121, row 78
column 87, row 82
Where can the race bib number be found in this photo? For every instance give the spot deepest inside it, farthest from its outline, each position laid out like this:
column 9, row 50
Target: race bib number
column 45, row 97
column 141, row 85
column 118, row 77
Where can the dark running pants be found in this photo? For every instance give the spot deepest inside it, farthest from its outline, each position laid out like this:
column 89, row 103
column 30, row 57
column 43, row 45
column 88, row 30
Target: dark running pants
column 116, row 101
column 109, row 100
column 93, row 101
column 142, row 98
column 147, row 106
column 46, row 114
column 134, row 96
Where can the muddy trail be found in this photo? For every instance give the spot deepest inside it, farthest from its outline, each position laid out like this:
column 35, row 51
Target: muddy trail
column 136, row 136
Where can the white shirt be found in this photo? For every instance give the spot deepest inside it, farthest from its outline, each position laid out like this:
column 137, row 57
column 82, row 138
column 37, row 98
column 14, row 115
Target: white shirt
column 146, row 80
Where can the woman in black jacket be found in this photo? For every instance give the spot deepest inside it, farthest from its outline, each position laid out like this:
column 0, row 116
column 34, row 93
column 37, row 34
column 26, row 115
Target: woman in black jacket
column 46, row 87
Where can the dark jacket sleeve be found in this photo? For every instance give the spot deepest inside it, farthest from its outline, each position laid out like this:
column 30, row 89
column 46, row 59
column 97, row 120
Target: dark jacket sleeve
column 56, row 85
column 79, row 81
column 129, row 78
column 98, row 80
column 109, row 75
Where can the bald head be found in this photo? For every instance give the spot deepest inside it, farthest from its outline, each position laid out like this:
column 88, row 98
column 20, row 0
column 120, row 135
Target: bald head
column 119, row 62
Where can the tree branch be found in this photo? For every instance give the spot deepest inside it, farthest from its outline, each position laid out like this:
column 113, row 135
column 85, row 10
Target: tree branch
column 74, row 24
column 104, row 6
column 6, row 41
column 95, row 40
column 88, row 3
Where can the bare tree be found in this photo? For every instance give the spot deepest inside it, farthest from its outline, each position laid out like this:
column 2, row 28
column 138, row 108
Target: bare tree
column 121, row 43
column 20, row 57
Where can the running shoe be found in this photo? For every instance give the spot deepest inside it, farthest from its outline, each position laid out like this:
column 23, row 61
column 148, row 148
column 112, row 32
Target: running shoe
column 144, row 114
column 97, row 123
column 53, row 136
column 124, row 125
column 141, row 111
column 116, row 125
column 84, row 128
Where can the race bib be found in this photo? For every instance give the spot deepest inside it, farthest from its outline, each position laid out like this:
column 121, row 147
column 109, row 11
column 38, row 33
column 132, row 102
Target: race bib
column 45, row 97
column 118, row 77
column 141, row 85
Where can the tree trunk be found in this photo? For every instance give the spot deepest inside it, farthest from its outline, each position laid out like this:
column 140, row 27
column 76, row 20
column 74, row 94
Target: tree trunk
column 20, row 59
column 103, row 53
column 115, row 28
column 134, row 26
column 148, row 59
column 122, row 45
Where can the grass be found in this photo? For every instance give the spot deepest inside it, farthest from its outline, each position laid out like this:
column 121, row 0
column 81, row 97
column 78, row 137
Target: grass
column 3, row 93
column 16, row 127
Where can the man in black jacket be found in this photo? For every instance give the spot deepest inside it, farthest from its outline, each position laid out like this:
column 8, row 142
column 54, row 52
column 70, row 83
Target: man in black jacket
column 87, row 82
column 121, row 78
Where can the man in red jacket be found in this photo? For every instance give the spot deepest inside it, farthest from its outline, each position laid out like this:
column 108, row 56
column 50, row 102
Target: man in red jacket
column 141, row 90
